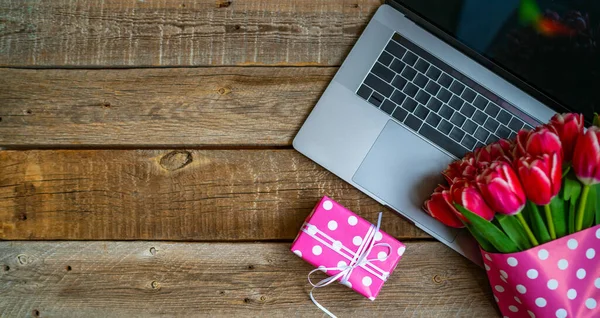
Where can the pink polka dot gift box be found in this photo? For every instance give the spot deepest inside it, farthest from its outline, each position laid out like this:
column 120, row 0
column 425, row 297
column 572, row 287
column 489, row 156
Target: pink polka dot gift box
column 348, row 248
column 558, row 279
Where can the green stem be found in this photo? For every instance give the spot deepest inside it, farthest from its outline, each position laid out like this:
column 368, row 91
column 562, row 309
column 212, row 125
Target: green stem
column 550, row 222
column 581, row 210
column 532, row 238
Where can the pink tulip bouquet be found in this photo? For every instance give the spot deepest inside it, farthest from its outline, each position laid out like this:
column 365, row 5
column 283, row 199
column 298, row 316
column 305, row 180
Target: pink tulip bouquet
column 533, row 205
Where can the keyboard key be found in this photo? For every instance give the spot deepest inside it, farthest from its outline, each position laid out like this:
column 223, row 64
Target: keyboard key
column 432, row 88
column 457, row 134
column 457, row 88
column 504, row 117
column 458, row 119
column 445, row 126
column 388, row 106
column 433, row 119
column 410, row 89
column 383, row 72
column 364, row 91
column 422, row 65
column 445, row 80
column 469, row 126
column 515, row 124
column 512, row 135
column 491, row 139
column 376, row 99
column 422, row 97
column 528, row 127
column 420, row 80
column 446, row 112
column 491, row 124
column 479, row 145
column 479, row 117
column 481, row 134
column 397, row 66
column 413, row 122
column 468, row 142
column 443, row 141
column 480, row 102
column 444, row 95
column 398, row 97
column 492, row 110
column 455, row 102
column 379, row 85
column 399, row 82
column 409, row 73
column 395, row 49
column 433, row 73
column 385, row 58
column 503, row 132
column 409, row 104
column 467, row 110
column 410, row 58
column 400, row 114
column 434, row 104
column 468, row 95
column 421, row 112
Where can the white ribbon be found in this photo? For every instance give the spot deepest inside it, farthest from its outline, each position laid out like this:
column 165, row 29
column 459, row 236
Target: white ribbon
column 359, row 259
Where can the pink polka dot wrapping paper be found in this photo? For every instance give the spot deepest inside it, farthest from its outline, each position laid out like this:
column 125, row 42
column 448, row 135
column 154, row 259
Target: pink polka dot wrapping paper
column 332, row 235
column 558, row 279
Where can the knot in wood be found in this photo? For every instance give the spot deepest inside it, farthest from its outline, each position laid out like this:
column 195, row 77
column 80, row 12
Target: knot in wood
column 153, row 251
column 438, row 279
column 224, row 90
column 155, row 285
column 23, row 259
column 223, row 3
column 176, row 160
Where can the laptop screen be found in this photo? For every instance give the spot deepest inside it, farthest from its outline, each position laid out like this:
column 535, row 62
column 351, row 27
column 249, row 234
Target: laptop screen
column 551, row 45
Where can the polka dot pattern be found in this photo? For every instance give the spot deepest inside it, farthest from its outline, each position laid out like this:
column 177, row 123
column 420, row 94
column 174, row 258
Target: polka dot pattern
column 550, row 280
column 333, row 235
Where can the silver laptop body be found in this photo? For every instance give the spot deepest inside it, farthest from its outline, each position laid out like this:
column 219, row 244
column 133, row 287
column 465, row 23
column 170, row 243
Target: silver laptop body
column 383, row 153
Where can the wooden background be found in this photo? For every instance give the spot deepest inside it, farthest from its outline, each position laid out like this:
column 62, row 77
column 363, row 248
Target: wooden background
column 147, row 167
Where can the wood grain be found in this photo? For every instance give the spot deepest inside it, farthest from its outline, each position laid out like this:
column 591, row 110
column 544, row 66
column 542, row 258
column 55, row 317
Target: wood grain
column 135, row 279
column 117, row 33
column 170, row 195
column 157, row 107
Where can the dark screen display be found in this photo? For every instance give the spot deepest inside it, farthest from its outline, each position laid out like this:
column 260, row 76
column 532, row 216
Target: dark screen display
column 551, row 45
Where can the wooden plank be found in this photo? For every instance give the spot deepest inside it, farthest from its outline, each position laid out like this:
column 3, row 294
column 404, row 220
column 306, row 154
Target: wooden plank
column 113, row 33
column 135, row 279
column 157, row 107
column 222, row 106
column 170, row 195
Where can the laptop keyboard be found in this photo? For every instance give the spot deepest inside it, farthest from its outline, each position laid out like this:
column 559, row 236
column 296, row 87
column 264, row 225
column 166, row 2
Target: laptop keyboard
column 436, row 101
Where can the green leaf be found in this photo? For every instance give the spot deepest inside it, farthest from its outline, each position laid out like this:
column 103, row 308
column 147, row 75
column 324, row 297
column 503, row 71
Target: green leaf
column 559, row 217
column 538, row 226
column 596, row 120
column 572, row 211
column 515, row 231
column 492, row 234
column 566, row 170
column 571, row 188
column 485, row 245
column 590, row 207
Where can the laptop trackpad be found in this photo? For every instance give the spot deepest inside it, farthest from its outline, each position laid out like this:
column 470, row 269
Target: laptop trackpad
column 403, row 170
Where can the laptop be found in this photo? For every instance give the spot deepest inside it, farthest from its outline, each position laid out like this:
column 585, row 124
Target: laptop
column 430, row 80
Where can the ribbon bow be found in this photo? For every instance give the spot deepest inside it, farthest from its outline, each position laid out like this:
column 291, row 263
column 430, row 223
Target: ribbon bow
column 360, row 258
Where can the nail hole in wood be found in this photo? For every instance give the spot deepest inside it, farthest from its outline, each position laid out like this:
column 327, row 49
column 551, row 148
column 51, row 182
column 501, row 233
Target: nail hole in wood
column 250, row 266
column 68, row 268
column 183, row 5
column 28, row 112
column 0, row 119
column 153, row 251
column 355, row 5
column 36, row 313
column 237, row 27
column 221, row 292
column 106, row 105
column 247, row 300
column 223, row 3
column 23, row 217
column 6, row 268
